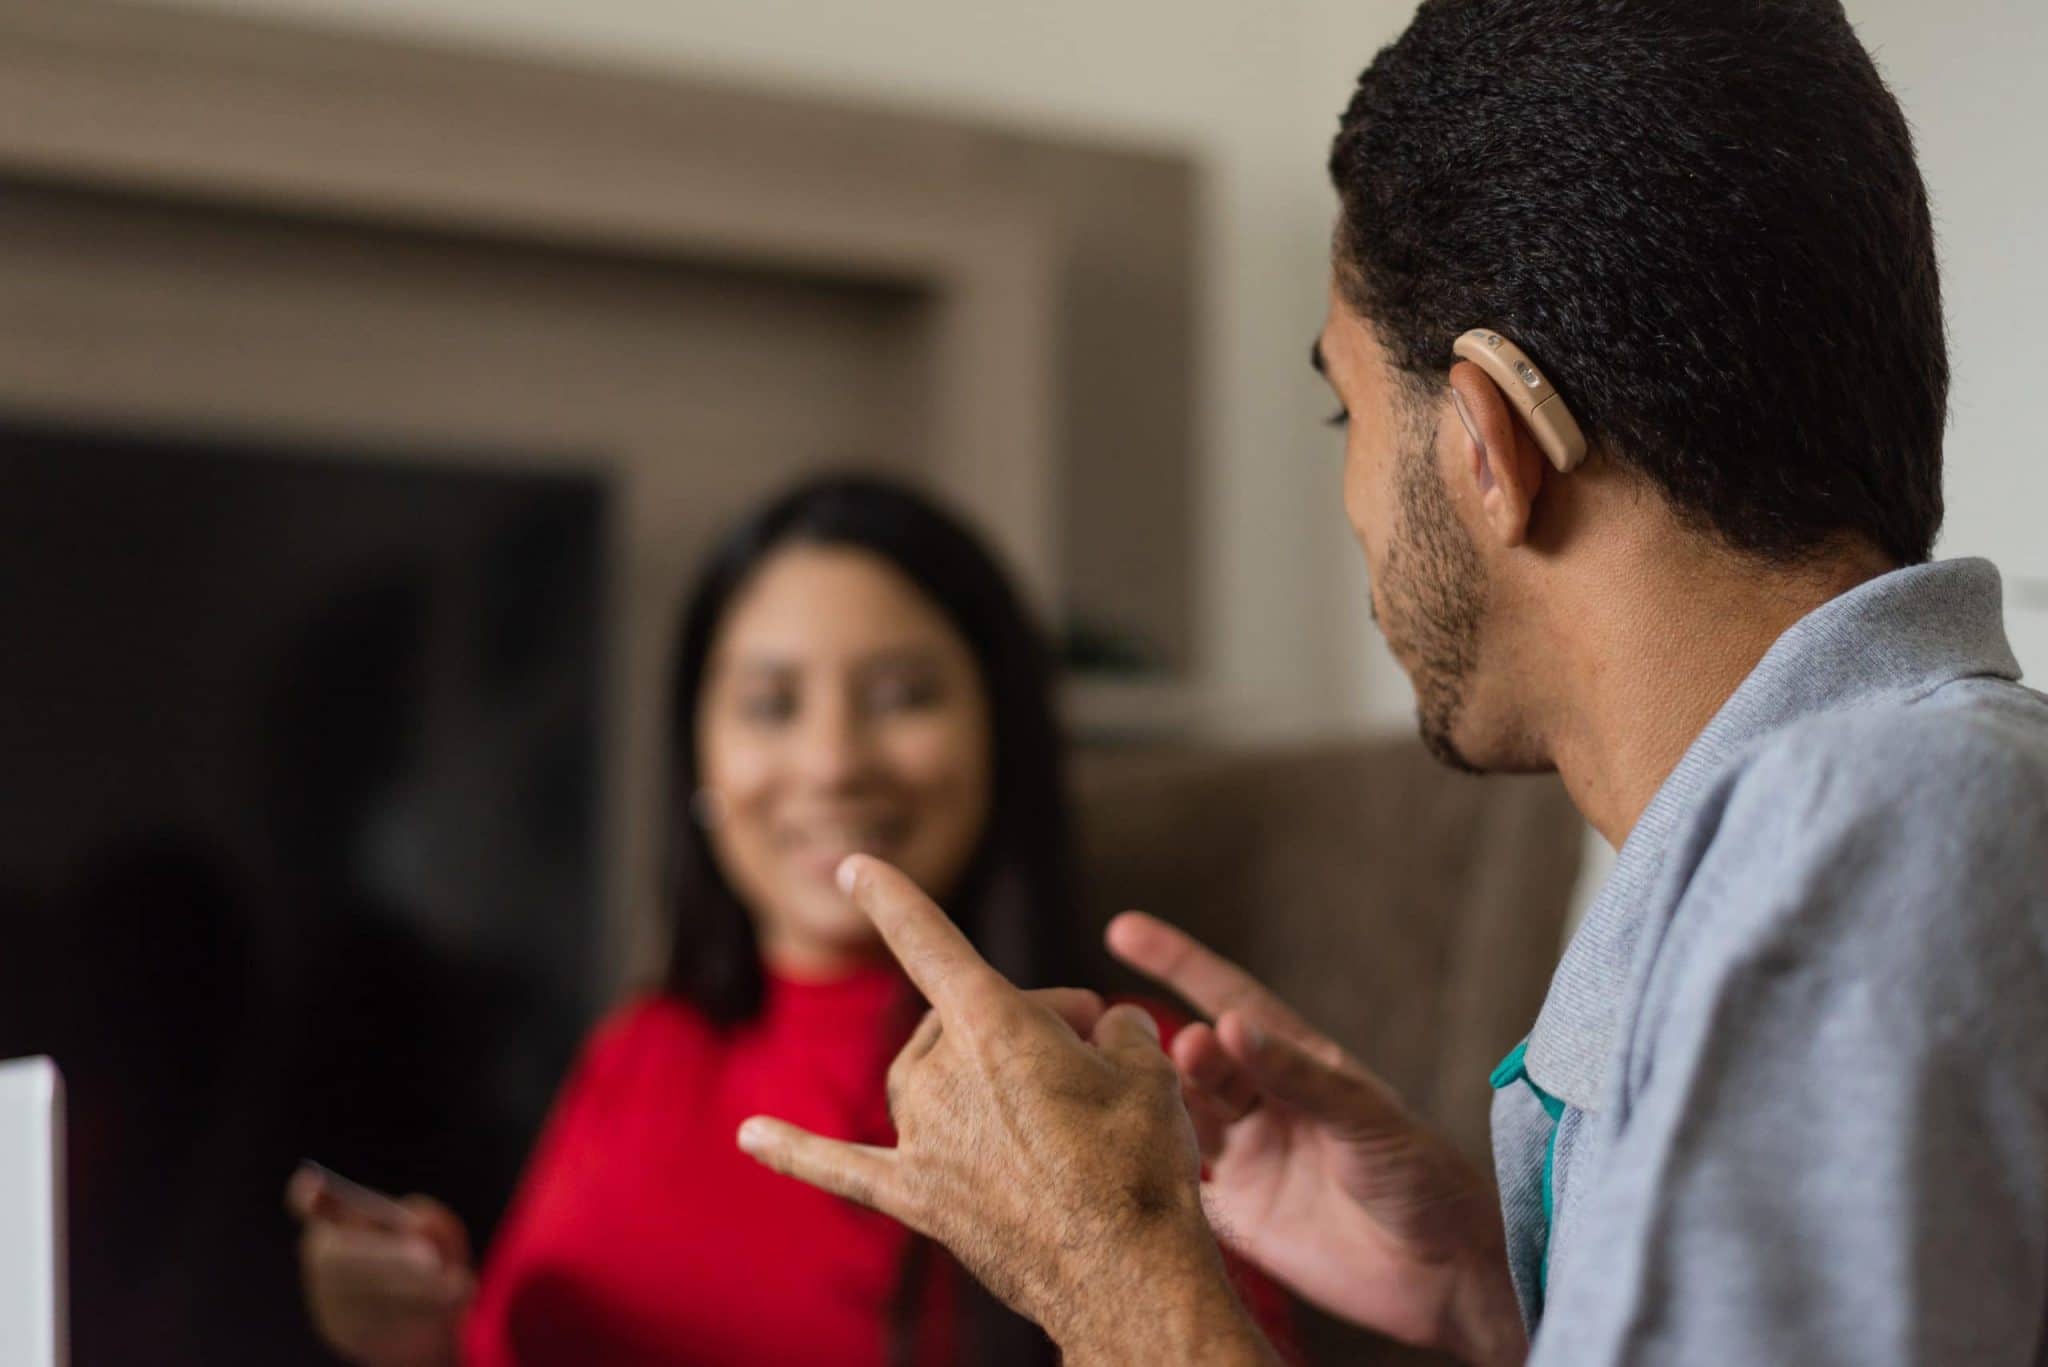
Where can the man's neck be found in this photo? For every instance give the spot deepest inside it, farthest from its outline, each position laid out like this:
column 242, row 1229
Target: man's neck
column 1648, row 664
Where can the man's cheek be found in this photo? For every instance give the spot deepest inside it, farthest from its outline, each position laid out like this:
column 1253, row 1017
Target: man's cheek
column 1365, row 494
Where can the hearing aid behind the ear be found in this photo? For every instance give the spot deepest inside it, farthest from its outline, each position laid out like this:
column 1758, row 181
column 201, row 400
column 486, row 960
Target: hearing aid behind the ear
column 1541, row 406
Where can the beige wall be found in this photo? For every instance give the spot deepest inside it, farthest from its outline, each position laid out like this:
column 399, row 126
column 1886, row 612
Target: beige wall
column 1970, row 75
column 1252, row 91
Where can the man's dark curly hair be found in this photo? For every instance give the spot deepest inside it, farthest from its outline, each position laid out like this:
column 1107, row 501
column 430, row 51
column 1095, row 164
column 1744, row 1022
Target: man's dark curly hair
column 1702, row 217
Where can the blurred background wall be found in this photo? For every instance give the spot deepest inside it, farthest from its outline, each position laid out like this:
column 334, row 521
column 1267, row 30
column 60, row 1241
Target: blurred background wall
column 1251, row 93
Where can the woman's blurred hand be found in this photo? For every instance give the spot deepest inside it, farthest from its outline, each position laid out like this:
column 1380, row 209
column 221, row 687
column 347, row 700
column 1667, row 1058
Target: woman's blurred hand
column 382, row 1293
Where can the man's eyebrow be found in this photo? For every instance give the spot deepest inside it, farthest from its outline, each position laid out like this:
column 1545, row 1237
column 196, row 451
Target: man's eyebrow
column 1315, row 357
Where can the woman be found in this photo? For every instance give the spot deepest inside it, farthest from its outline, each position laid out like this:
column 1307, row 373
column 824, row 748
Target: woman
column 855, row 674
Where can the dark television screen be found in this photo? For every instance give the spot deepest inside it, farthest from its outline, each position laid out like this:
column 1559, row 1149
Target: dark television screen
column 300, row 848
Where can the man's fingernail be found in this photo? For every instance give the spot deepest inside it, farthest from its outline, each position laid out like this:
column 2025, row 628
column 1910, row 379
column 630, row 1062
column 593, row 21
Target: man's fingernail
column 1253, row 1036
column 849, row 869
column 753, row 1135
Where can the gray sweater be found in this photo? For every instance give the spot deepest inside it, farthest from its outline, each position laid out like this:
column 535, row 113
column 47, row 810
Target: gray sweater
column 1798, row 1050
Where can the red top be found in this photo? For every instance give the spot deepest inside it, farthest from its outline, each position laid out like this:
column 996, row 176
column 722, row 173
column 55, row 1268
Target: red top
column 642, row 1235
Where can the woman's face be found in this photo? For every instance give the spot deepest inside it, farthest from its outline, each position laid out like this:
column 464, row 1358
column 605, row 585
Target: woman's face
column 840, row 713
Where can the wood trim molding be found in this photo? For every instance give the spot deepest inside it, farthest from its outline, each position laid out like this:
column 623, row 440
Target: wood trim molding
column 1059, row 276
column 140, row 97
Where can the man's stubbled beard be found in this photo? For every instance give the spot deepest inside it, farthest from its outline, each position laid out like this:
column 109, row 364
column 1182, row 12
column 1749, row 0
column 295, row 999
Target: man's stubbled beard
column 1435, row 594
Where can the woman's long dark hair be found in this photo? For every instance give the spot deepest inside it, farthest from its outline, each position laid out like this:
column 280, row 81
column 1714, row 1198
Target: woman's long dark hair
column 1014, row 899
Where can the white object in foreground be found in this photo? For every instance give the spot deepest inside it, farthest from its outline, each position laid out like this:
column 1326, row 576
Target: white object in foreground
column 32, row 1328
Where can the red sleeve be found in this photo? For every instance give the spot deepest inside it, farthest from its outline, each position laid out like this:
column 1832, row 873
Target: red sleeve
column 562, row 1138
column 1264, row 1299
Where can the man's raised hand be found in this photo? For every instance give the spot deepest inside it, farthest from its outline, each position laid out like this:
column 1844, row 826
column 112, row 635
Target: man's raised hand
column 1042, row 1140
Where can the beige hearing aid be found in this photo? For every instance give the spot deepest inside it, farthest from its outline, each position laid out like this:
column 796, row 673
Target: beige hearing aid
column 1549, row 419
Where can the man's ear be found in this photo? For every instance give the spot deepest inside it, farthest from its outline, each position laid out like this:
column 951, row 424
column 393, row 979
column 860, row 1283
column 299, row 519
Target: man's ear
column 1501, row 459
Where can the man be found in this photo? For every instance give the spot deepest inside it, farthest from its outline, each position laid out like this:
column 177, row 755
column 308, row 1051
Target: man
column 1787, row 1100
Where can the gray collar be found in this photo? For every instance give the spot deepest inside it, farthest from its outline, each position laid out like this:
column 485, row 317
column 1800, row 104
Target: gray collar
column 1900, row 634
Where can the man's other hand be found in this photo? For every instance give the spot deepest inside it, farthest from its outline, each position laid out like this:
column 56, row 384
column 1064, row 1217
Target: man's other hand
column 1318, row 1173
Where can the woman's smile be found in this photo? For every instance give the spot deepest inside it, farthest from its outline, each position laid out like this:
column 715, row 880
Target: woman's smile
column 816, row 846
